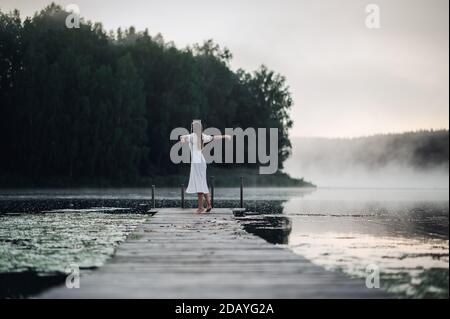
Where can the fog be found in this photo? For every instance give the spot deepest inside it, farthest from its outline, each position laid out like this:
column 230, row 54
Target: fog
column 412, row 160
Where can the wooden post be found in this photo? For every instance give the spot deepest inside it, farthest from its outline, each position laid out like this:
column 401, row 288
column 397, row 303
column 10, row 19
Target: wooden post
column 212, row 191
column 242, row 192
column 182, row 195
column 153, row 196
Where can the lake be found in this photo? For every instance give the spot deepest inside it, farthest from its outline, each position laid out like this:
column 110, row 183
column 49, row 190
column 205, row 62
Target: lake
column 402, row 232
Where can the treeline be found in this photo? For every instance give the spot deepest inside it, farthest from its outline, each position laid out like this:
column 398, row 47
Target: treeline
column 420, row 150
column 84, row 104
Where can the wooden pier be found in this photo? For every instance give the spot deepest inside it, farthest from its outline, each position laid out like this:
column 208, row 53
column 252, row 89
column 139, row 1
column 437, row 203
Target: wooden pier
column 180, row 254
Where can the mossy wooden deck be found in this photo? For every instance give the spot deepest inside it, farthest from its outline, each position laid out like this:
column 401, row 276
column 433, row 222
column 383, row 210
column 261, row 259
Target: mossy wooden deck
column 179, row 254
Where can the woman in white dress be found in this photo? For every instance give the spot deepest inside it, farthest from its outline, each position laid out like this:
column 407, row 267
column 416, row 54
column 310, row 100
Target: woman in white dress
column 197, row 178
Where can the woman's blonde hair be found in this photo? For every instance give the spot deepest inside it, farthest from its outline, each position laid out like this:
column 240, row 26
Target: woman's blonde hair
column 196, row 127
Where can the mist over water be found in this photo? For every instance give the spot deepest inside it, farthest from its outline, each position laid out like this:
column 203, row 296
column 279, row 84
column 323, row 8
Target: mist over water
column 358, row 176
column 381, row 200
column 410, row 160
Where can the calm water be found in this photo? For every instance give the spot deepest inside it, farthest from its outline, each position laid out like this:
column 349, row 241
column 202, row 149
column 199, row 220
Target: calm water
column 403, row 232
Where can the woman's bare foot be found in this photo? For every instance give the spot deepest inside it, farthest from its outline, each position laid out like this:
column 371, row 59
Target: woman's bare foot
column 200, row 210
column 208, row 209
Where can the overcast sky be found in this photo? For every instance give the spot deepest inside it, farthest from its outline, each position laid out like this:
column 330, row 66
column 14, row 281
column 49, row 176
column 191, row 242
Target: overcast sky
column 346, row 79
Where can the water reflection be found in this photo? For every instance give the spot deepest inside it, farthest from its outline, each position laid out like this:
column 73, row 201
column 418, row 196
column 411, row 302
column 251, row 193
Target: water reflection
column 161, row 194
column 404, row 232
column 27, row 283
column 273, row 228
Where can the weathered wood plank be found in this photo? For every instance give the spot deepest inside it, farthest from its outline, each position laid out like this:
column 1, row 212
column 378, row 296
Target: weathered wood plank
column 179, row 254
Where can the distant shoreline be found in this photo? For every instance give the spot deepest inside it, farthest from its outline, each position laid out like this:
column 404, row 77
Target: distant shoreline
column 222, row 178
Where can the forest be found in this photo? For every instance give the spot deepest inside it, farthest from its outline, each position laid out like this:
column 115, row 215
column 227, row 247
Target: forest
column 86, row 106
column 413, row 159
column 419, row 150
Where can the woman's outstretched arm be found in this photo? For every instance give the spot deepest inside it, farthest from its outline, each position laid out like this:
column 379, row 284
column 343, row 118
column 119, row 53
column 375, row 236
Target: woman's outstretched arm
column 219, row 137
column 184, row 138
column 210, row 138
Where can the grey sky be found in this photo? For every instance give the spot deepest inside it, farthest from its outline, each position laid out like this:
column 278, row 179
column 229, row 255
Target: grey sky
column 346, row 79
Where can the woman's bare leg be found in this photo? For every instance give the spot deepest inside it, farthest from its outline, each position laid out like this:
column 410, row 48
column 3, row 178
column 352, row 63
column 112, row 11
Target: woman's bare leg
column 208, row 201
column 200, row 208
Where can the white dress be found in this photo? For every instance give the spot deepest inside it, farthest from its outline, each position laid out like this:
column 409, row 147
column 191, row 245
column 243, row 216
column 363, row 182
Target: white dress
column 197, row 177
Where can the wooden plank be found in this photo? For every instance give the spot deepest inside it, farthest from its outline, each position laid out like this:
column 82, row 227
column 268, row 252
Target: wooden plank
column 179, row 254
